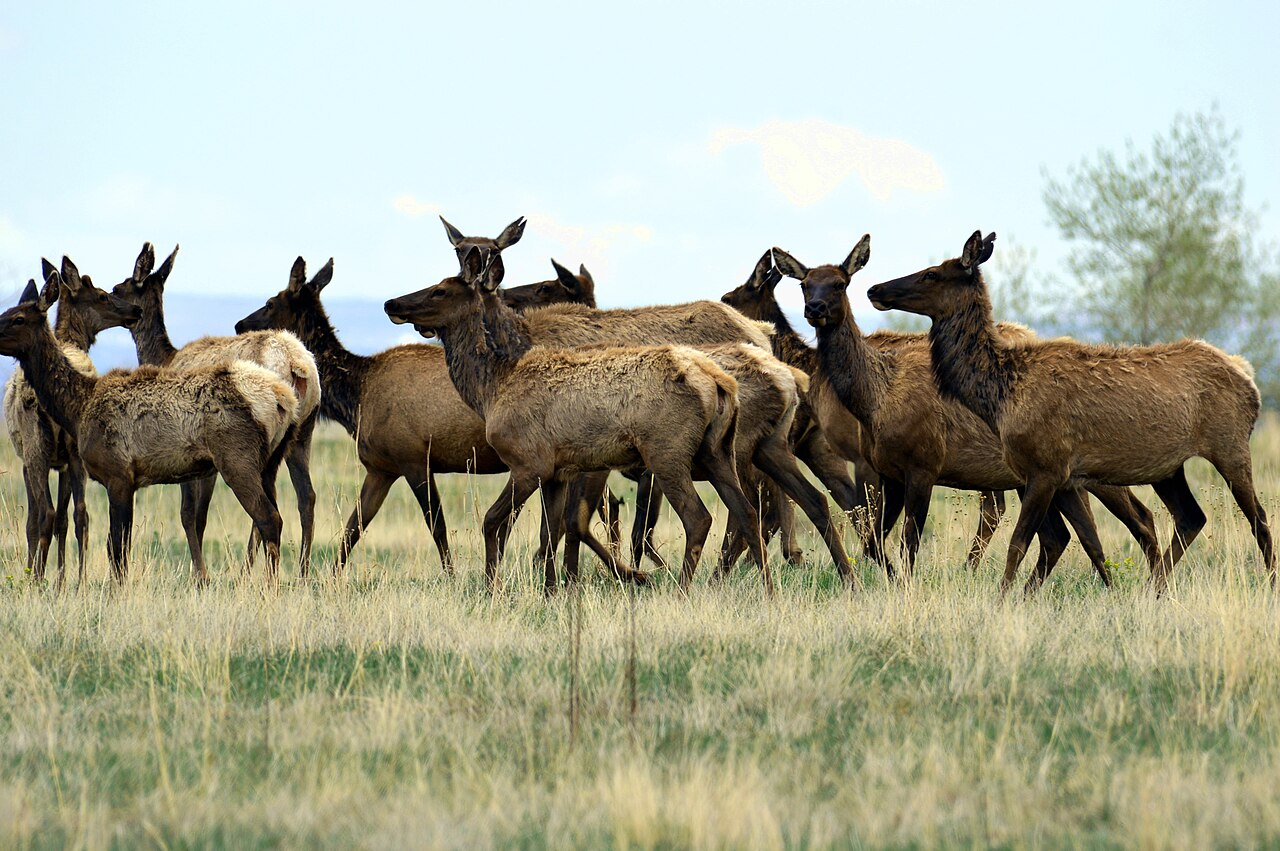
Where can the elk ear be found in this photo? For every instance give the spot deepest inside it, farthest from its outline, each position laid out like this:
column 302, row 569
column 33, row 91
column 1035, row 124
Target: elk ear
column 31, row 296
column 565, row 277
column 29, row 293
column 144, row 264
column 297, row 276
column 49, row 293
column 788, row 265
column 323, row 277
column 988, row 247
column 859, row 256
column 70, row 275
column 971, row 256
column 472, row 265
column 493, row 274
column 760, row 274
column 47, row 269
column 455, row 235
column 159, row 276
column 510, row 234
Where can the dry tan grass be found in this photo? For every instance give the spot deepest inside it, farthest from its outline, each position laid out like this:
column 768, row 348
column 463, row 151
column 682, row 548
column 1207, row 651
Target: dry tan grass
column 400, row 707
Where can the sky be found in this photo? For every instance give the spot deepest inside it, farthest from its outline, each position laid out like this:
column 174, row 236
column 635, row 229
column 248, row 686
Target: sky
column 664, row 145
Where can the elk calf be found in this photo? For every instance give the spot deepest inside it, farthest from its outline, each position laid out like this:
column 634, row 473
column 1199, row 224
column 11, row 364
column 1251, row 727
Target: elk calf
column 150, row 426
column 550, row 412
column 1068, row 412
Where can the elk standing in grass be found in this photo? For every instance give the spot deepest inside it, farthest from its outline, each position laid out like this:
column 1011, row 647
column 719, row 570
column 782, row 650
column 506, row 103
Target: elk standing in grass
column 83, row 312
column 278, row 351
column 152, row 426
column 917, row 440
column 552, row 412
column 1068, row 412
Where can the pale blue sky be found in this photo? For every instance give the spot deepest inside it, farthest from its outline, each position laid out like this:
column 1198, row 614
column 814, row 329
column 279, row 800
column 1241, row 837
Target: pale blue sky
column 665, row 145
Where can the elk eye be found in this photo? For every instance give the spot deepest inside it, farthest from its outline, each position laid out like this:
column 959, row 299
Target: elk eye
column 437, row 294
column 102, row 297
column 931, row 275
column 18, row 320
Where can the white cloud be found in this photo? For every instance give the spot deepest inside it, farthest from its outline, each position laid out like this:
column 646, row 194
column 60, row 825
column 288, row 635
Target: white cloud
column 592, row 245
column 807, row 160
column 411, row 206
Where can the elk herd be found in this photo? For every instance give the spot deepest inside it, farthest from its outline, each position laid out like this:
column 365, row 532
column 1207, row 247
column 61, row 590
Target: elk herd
column 537, row 383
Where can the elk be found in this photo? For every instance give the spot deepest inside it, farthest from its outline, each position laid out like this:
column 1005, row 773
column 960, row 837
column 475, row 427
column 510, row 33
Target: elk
column 916, row 439
column 84, row 311
column 1068, row 413
column 768, row 403
column 832, row 427
column 487, row 247
column 278, row 351
column 151, row 426
column 552, row 412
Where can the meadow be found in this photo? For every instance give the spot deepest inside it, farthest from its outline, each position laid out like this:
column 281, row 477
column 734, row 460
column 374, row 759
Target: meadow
column 400, row 707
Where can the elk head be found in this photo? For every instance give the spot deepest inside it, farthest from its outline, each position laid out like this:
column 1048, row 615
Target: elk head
column 285, row 311
column 825, row 300
column 144, row 289
column 751, row 298
column 449, row 302
column 488, row 247
column 564, row 288
column 937, row 290
column 22, row 325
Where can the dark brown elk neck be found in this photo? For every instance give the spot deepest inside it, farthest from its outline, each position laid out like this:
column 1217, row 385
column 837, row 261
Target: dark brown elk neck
column 788, row 346
column 60, row 388
column 151, row 337
column 481, row 351
column 71, row 327
column 342, row 372
column 858, row 373
column 970, row 364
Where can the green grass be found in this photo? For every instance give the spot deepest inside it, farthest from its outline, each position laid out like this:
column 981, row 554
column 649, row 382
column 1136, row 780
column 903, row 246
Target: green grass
column 401, row 707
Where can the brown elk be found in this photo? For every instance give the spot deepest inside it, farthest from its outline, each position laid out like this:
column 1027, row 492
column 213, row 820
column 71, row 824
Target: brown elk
column 83, row 312
column 551, row 412
column 916, row 439
column 830, row 421
column 768, row 403
column 278, row 351
column 151, row 426
column 1068, row 412
column 488, row 247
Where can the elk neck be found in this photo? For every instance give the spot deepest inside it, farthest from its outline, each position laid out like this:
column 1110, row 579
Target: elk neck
column 342, row 372
column 150, row 336
column 61, row 389
column 858, row 373
column 970, row 363
column 483, row 349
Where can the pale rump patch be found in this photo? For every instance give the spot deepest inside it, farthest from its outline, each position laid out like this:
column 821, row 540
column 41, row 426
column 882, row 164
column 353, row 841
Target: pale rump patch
column 271, row 401
column 278, row 351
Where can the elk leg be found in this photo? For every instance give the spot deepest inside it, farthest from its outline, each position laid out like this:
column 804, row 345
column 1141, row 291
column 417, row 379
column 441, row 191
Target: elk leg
column 270, row 471
column 251, row 489
column 693, row 516
column 39, row 520
column 610, row 510
column 119, row 537
column 723, row 477
column 780, row 465
column 555, row 501
column 1188, row 520
column 501, row 515
column 916, row 494
column 1239, row 476
column 77, row 476
column 299, row 463
column 832, row 471
column 1035, row 504
column 1074, row 505
column 893, row 496
column 990, row 509
column 648, row 505
column 1136, row 517
column 1054, row 537
column 372, row 493
column 60, row 518
column 428, row 496
column 196, row 496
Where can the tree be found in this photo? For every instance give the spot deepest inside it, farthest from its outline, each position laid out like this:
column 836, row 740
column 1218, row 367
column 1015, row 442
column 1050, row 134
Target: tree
column 1163, row 245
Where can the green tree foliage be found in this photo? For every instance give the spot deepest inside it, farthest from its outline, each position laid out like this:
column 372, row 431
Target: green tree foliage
column 1163, row 245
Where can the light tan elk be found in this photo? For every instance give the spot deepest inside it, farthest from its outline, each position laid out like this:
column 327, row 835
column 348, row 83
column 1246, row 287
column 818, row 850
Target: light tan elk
column 768, row 396
column 916, row 440
column 832, row 427
column 551, row 412
column 83, row 312
column 151, row 426
column 278, row 351
column 1069, row 413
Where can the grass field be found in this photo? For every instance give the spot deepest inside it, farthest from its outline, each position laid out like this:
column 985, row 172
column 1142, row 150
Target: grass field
column 399, row 707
